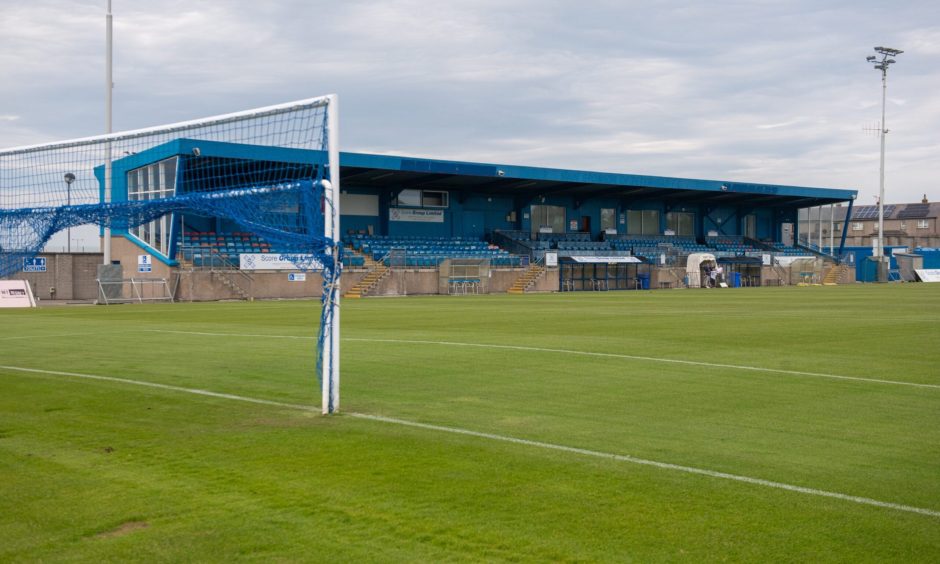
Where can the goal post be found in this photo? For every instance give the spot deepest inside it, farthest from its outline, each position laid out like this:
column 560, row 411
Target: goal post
column 329, row 360
column 271, row 171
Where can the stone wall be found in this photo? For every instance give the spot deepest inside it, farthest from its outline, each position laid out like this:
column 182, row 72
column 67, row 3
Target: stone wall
column 67, row 277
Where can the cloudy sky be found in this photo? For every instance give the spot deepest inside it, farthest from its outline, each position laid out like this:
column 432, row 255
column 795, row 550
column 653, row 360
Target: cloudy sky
column 755, row 90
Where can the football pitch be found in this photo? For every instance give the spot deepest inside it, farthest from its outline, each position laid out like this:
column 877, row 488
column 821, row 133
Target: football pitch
column 764, row 424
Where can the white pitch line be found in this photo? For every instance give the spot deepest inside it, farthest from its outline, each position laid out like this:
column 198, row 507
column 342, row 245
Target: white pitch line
column 575, row 352
column 507, row 439
column 648, row 358
column 206, row 334
column 156, row 385
column 21, row 337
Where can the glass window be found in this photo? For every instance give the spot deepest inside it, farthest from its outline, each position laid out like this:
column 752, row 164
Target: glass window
column 409, row 198
column 923, row 224
column 857, row 227
column 434, row 199
column 643, row 222
column 686, row 225
column 750, row 226
column 634, row 222
column 682, row 223
column 151, row 182
column 608, row 219
column 549, row 217
column 650, row 222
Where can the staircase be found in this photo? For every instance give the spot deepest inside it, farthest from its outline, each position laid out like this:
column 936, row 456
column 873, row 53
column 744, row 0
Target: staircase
column 835, row 275
column 228, row 279
column 366, row 257
column 369, row 281
column 530, row 277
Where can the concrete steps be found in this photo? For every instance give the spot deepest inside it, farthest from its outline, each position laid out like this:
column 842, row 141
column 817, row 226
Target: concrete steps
column 835, row 275
column 528, row 278
column 369, row 281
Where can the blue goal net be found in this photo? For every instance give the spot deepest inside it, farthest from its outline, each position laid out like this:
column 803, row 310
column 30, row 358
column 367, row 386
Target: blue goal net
column 272, row 171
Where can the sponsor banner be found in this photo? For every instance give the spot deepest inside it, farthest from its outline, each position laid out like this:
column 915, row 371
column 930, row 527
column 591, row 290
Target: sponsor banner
column 275, row 261
column 35, row 264
column 16, row 293
column 607, row 260
column 928, row 274
column 426, row 216
column 787, row 261
column 144, row 263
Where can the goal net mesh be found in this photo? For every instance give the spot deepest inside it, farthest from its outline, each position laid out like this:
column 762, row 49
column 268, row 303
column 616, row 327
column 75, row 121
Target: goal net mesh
column 267, row 170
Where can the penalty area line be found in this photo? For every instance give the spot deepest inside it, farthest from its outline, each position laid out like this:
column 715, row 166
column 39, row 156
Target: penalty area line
column 649, row 359
column 505, row 439
column 573, row 352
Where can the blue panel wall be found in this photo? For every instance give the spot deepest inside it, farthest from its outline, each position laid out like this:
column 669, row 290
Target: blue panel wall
column 931, row 256
column 862, row 253
column 723, row 219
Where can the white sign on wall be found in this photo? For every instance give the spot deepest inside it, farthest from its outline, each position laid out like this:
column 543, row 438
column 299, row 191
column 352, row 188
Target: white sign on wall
column 35, row 264
column 424, row 216
column 551, row 258
column 297, row 277
column 144, row 263
column 928, row 274
column 16, row 293
column 274, row 261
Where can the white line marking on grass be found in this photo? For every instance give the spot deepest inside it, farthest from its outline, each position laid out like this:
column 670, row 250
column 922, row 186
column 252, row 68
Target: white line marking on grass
column 156, row 385
column 207, row 334
column 655, row 464
column 505, row 439
column 575, row 352
column 648, row 358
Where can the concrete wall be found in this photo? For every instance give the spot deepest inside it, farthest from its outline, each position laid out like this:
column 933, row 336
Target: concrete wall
column 67, row 277
column 202, row 285
column 409, row 282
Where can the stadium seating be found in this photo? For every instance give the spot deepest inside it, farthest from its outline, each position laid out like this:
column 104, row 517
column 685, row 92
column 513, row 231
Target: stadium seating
column 202, row 249
column 730, row 246
column 429, row 252
column 787, row 250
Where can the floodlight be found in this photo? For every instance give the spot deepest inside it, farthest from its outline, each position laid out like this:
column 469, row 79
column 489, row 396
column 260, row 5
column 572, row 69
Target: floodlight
column 882, row 65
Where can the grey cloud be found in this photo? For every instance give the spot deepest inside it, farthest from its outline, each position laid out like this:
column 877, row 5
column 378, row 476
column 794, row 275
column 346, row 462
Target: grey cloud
column 754, row 91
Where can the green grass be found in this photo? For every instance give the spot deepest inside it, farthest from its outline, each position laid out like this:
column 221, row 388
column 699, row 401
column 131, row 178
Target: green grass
column 97, row 470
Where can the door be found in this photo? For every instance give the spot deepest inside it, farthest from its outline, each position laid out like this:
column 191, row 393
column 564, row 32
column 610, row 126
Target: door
column 472, row 225
column 585, row 224
column 786, row 232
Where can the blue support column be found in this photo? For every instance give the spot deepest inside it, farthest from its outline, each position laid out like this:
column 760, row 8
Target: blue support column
column 845, row 229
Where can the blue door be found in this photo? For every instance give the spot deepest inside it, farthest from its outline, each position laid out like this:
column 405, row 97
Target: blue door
column 473, row 224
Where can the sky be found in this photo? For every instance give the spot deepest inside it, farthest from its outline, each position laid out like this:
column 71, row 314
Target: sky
column 751, row 91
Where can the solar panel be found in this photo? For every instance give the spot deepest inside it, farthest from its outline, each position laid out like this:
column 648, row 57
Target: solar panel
column 871, row 212
column 913, row 211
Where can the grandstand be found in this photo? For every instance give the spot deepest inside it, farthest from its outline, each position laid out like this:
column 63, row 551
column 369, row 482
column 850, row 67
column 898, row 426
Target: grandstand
column 418, row 216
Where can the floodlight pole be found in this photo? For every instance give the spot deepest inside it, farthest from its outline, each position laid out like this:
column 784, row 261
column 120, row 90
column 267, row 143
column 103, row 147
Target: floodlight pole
column 69, row 179
column 882, row 65
column 108, row 88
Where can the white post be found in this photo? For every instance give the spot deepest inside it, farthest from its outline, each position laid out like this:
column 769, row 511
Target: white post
column 330, row 364
column 819, row 243
column 832, row 226
column 108, row 87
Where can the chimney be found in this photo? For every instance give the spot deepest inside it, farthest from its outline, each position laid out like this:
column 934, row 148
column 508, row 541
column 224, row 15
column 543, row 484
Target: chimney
column 924, row 201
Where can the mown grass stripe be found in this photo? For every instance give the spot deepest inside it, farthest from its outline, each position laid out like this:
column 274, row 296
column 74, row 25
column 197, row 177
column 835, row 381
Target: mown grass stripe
column 575, row 352
column 503, row 438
